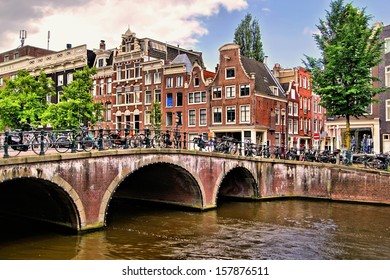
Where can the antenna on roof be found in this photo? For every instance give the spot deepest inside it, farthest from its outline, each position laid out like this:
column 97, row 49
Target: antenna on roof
column 22, row 36
column 48, row 38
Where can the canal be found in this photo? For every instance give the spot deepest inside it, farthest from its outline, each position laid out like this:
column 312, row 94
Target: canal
column 271, row 230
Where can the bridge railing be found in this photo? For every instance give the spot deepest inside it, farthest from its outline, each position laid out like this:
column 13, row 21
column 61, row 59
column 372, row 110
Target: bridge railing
column 40, row 142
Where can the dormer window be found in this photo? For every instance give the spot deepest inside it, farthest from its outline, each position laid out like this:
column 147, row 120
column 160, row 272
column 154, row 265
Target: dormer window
column 274, row 90
column 100, row 62
column 230, row 73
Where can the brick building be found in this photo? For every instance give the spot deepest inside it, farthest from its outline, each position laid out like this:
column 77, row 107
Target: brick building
column 247, row 102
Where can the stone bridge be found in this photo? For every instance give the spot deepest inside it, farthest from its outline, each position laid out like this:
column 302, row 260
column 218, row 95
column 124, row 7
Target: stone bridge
column 75, row 189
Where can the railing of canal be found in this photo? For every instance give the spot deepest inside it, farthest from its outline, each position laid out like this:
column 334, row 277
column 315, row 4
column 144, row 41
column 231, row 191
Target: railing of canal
column 40, row 142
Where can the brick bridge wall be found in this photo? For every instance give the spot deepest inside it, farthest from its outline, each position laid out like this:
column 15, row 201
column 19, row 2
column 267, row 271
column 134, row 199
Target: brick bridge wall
column 85, row 182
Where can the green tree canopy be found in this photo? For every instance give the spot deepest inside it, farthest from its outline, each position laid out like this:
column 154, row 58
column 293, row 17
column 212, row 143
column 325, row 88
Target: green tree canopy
column 76, row 107
column 248, row 37
column 23, row 100
column 350, row 48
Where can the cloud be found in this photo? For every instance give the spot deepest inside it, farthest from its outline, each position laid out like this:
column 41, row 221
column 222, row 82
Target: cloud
column 89, row 21
column 266, row 10
column 309, row 31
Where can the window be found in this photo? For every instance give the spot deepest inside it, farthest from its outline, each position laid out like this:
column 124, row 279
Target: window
column 16, row 55
column 137, row 95
column 290, row 126
column 230, row 114
column 101, row 87
column 157, row 95
column 244, row 90
column 137, row 70
column 157, row 78
column 169, row 100
column 169, row 83
column 169, row 118
column 290, row 110
column 147, row 120
column 202, row 117
column 94, row 88
column 388, row 110
column 100, row 62
column 148, row 97
column 387, row 45
column 128, row 71
column 315, row 127
column 368, row 109
column 1, row 81
column 217, row 92
column 277, row 116
column 191, row 118
column 197, row 97
column 301, row 124
column 119, row 72
column 295, row 109
column 196, row 81
column 119, row 96
column 108, row 112
column 119, row 122
column 230, row 91
column 179, row 81
column 277, row 139
column 60, row 80
column 148, row 78
column 69, row 78
column 274, row 90
column 179, row 99
column 230, row 73
column 109, row 85
column 244, row 114
column 6, row 58
column 387, row 76
column 217, row 115
column 129, row 96
column 295, row 126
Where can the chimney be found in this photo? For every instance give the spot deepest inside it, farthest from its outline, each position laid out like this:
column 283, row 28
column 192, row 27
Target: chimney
column 265, row 59
column 102, row 45
column 68, row 46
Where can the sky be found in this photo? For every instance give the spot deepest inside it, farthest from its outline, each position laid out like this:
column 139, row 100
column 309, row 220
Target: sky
column 286, row 26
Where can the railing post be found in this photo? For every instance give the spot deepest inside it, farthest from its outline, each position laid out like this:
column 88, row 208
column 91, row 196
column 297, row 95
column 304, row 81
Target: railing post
column 6, row 155
column 185, row 140
column 42, row 137
column 100, row 139
column 73, row 150
column 126, row 140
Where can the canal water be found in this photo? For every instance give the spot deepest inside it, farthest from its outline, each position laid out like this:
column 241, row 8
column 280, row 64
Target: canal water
column 271, row 230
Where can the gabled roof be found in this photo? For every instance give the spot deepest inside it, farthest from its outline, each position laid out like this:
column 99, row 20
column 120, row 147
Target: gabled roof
column 263, row 76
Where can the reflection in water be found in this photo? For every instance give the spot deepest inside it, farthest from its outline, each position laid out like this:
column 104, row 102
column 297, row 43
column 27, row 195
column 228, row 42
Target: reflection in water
column 285, row 229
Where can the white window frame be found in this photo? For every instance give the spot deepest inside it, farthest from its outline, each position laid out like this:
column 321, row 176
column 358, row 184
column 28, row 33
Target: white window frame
column 179, row 81
column 228, row 109
column 217, row 89
column 247, row 88
column 230, row 92
column 387, row 76
column 191, row 118
column 220, row 111
column 202, row 113
column 387, row 104
column 245, row 113
column 227, row 69
column 157, row 78
column 169, row 82
column 148, row 78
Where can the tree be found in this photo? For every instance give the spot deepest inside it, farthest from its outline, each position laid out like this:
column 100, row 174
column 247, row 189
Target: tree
column 23, row 100
column 248, row 37
column 155, row 115
column 350, row 48
column 76, row 107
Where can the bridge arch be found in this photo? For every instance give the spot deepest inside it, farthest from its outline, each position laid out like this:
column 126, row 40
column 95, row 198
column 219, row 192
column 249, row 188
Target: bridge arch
column 237, row 182
column 167, row 181
column 52, row 201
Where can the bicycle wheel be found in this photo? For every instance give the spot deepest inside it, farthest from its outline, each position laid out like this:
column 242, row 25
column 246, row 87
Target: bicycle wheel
column 88, row 143
column 62, row 144
column 36, row 143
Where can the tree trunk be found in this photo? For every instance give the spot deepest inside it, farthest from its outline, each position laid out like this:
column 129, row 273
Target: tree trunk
column 347, row 132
